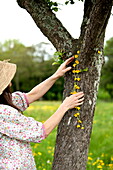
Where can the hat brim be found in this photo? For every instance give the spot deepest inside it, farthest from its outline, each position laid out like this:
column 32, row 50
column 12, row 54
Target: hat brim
column 8, row 73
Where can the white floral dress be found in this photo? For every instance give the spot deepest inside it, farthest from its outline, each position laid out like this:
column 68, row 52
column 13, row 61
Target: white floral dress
column 16, row 133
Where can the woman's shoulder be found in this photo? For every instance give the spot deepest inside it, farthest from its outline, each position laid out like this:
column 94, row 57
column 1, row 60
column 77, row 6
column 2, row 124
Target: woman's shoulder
column 7, row 110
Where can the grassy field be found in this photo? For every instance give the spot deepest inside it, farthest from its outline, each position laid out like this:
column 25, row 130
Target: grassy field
column 101, row 147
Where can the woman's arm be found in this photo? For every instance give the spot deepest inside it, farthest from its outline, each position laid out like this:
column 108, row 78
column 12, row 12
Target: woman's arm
column 69, row 103
column 43, row 87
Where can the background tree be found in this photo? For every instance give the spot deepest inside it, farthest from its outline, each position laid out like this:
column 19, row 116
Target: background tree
column 106, row 82
column 72, row 142
column 33, row 66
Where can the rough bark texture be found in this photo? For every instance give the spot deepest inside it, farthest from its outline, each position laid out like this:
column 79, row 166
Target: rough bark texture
column 72, row 143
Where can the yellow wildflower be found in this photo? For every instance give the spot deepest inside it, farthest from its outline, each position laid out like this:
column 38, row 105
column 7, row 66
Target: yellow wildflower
column 76, row 61
column 89, row 158
column 111, row 165
column 39, row 153
column 99, row 166
column 102, row 164
column 78, row 108
column 76, row 71
column 34, row 154
column 78, row 52
column 111, row 158
column 78, row 79
column 76, row 56
column 79, row 121
column 99, row 52
column 77, row 87
column 94, row 163
column 74, row 92
column 78, row 126
column 101, row 161
column 82, row 127
column 74, row 65
column 76, row 114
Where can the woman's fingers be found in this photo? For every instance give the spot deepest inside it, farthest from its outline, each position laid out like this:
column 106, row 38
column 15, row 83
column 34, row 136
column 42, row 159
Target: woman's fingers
column 67, row 69
column 69, row 60
column 79, row 94
column 80, row 100
column 78, row 104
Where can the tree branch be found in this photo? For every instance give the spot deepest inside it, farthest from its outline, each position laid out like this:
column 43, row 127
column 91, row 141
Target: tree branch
column 48, row 23
column 87, row 9
column 96, row 25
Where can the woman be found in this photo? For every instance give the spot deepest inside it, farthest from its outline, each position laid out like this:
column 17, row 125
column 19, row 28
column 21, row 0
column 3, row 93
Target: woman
column 17, row 130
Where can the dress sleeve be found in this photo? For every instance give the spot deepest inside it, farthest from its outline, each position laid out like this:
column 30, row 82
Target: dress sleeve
column 15, row 125
column 20, row 100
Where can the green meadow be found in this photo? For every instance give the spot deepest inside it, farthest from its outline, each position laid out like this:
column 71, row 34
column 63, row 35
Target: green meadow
column 100, row 154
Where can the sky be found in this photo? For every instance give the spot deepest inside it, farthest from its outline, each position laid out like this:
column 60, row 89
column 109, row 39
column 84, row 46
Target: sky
column 16, row 23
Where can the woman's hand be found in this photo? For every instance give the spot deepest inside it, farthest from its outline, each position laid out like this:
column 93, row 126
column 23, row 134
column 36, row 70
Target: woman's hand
column 69, row 103
column 63, row 68
column 73, row 101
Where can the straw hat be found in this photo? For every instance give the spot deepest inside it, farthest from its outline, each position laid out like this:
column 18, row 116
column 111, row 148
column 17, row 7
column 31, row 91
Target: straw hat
column 7, row 72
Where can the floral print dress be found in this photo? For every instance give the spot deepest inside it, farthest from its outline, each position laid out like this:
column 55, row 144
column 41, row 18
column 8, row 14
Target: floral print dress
column 16, row 133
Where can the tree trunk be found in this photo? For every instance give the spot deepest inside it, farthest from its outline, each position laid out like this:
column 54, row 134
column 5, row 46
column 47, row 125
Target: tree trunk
column 72, row 143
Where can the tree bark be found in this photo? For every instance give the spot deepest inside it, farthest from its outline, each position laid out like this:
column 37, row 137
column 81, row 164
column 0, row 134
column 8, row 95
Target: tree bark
column 72, row 143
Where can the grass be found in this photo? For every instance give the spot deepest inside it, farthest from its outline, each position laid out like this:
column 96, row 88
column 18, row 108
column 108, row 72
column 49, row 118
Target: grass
column 101, row 146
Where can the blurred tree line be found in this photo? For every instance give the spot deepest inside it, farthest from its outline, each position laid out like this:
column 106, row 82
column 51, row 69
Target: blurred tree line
column 106, row 81
column 34, row 64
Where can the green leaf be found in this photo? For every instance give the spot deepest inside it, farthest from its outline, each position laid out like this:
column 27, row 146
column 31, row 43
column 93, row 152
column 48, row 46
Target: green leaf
column 54, row 63
column 55, row 9
column 86, row 69
column 66, row 2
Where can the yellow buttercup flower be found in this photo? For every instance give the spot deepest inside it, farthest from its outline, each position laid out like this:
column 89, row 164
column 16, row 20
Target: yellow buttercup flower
column 34, row 154
column 89, row 158
column 76, row 56
column 76, row 87
column 78, row 126
column 78, row 52
column 99, row 52
column 76, row 61
column 76, row 71
column 78, row 79
column 82, row 127
column 78, row 108
column 94, row 163
column 79, row 121
column 74, row 65
column 74, row 92
column 110, row 165
column 76, row 114
column 99, row 166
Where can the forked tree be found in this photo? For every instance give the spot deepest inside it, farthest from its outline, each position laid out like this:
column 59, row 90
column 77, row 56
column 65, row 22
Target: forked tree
column 73, row 141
